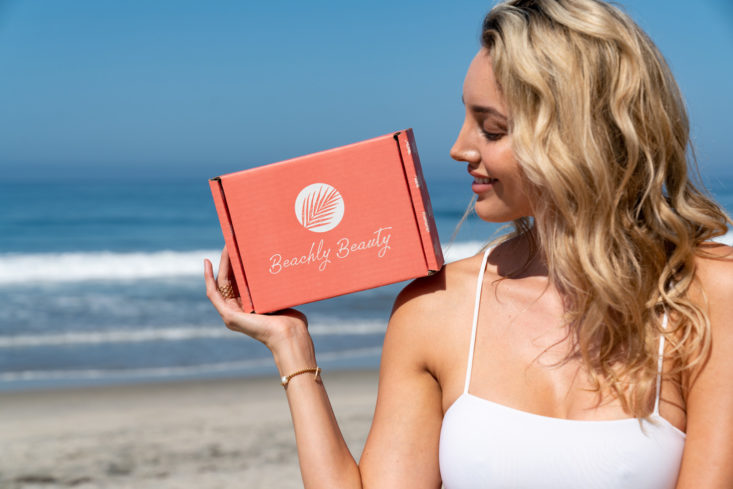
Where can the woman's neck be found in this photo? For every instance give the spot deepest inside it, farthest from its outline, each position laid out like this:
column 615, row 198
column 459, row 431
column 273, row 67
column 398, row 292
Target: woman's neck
column 520, row 257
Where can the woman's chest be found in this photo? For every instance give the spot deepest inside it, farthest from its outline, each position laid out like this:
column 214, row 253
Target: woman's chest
column 484, row 444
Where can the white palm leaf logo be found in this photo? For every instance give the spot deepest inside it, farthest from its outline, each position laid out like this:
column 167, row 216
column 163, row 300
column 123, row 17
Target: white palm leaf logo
column 319, row 207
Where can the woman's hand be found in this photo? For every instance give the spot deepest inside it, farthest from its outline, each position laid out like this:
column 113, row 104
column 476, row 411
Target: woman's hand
column 282, row 331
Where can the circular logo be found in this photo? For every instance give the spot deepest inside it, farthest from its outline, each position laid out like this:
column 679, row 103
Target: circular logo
column 319, row 207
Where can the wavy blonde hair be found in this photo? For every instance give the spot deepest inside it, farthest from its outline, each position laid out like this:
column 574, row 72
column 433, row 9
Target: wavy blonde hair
column 600, row 130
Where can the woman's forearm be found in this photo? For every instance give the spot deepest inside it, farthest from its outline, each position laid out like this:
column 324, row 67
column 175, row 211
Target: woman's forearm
column 325, row 460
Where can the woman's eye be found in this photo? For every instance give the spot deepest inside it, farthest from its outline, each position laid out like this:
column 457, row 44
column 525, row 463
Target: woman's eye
column 492, row 136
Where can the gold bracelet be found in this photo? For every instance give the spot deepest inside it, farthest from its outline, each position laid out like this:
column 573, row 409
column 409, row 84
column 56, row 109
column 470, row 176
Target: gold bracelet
column 285, row 379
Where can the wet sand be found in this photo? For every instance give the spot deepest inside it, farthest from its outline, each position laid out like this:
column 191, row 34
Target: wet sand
column 228, row 433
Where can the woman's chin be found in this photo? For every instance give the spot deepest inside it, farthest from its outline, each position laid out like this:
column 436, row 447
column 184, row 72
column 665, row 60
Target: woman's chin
column 498, row 216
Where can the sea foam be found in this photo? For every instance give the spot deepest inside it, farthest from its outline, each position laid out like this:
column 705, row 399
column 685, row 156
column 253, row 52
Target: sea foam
column 102, row 265
column 113, row 266
column 174, row 370
column 172, row 334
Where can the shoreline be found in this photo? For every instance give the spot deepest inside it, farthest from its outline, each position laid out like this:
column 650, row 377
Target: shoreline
column 217, row 433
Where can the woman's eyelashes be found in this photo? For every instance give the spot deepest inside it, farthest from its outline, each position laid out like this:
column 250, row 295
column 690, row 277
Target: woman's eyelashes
column 492, row 136
column 491, row 130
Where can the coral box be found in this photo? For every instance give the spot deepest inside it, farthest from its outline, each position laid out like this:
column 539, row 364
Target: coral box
column 329, row 223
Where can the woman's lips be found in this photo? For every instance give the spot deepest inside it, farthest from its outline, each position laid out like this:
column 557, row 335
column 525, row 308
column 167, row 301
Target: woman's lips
column 481, row 184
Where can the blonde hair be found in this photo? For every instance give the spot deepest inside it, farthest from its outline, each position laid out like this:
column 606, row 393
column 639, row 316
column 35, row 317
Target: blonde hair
column 600, row 130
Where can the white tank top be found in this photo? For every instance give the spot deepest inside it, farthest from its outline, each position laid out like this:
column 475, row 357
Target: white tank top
column 488, row 445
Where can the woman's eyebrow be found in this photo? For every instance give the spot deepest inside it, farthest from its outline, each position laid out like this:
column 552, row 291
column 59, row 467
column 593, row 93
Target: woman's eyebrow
column 485, row 110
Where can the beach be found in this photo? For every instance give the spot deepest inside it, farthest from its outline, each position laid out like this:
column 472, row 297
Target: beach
column 116, row 371
column 220, row 433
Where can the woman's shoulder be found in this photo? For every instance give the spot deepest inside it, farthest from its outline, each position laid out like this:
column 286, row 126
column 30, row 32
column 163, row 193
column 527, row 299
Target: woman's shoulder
column 445, row 288
column 712, row 289
column 435, row 310
column 714, row 270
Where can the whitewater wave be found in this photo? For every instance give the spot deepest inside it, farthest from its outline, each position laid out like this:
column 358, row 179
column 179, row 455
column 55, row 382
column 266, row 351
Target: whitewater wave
column 172, row 371
column 27, row 268
column 109, row 266
column 102, row 265
column 726, row 239
column 73, row 338
column 461, row 249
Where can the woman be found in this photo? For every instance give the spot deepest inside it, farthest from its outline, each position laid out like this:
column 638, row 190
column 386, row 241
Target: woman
column 589, row 348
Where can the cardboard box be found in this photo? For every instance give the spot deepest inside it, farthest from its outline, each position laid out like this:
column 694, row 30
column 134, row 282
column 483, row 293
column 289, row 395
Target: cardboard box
column 328, row 223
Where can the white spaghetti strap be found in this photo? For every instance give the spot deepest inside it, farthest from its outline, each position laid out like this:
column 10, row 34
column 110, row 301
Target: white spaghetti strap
column 660, row 363
column 479, row 282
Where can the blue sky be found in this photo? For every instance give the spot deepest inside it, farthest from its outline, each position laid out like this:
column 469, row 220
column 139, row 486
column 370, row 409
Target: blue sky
column 130, row 89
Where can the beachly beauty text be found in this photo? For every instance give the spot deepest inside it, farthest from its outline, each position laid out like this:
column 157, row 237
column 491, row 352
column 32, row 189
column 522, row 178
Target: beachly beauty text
column 321, row 255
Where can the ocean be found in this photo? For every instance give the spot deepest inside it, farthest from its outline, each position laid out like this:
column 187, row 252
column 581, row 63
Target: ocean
column 102, row 283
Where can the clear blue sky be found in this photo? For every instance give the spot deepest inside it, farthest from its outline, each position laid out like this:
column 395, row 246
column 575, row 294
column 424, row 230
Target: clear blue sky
column 126, row 88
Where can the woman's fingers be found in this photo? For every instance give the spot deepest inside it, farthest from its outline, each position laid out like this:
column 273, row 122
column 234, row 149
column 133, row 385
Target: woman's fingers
column 265, row 328
column 212, row 288
column 224, row 265
column 225, row 278
column 226, row 309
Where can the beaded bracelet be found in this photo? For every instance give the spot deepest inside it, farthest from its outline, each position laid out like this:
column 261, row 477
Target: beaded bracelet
column 285, row 379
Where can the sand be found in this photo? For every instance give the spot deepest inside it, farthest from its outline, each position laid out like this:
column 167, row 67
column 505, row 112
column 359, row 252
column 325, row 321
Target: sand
column 204, row 434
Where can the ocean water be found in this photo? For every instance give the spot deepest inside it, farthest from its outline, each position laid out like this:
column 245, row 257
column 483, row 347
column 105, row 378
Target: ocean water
column 102, row 283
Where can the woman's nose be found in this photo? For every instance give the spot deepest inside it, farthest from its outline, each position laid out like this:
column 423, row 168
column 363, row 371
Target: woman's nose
column 463, row 149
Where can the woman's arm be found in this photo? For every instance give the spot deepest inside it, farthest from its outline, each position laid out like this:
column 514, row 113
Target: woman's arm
column 402, row 448
column 401, row 451
column 707, row 462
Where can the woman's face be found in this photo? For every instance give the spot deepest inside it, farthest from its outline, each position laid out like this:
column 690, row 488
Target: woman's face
column 485, row 144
